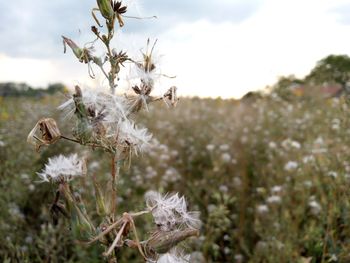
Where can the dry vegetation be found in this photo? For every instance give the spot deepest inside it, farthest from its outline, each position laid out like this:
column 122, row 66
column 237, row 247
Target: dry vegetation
column 270, row 178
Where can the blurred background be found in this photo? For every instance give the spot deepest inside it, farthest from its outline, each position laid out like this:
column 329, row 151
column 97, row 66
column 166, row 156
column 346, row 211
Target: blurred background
column 259, row 142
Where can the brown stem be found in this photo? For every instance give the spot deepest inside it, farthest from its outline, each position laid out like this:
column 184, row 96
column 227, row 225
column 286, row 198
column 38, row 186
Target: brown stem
column 114, row 190
column 87, row 144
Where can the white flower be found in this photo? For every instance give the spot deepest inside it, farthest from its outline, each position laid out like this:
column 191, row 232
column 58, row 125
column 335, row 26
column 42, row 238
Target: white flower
column 315, row 207
column 276, row 189
column 139, row 139
column 290, row 166
column 224, row 147
column 210, row 147
column 332, row 174
column 170, row 211
column 288, row 144
column 308, row 159
column 274, row 199
column 226, row 157
column 262, row 209
column 61, row 168
column 173, row 258
column 272, row 145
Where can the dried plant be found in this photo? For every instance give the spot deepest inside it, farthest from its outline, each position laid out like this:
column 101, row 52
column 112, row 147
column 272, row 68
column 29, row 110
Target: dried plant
column 104, row 120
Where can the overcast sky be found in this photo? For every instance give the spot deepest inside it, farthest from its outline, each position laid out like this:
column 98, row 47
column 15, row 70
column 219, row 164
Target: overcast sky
column 214, row 47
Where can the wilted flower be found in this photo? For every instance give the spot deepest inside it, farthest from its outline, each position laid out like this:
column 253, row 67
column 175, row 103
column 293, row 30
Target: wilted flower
column 83, row 54
column 61, row 168
column 48, row 130
column 170, row 211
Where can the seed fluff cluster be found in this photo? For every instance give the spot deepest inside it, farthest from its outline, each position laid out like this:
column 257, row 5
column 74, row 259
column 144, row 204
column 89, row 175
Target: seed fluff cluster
column 170, row 212
column 63, row 169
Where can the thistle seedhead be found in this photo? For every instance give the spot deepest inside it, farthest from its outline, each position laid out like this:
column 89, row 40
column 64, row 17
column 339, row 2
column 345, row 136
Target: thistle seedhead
column 132, row 137
column 170, row 212
column 63, row 169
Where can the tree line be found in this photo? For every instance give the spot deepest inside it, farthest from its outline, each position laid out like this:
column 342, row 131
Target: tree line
column 12, row 89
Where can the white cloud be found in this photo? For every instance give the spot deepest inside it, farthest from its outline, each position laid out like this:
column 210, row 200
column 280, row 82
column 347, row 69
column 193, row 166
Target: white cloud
column 221, row 59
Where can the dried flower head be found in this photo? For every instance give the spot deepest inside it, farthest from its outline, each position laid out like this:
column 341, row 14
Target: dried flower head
column 129, row 135
column 97, row 101
column 170, row 212
column 83, row 54
column 63, row 169
column 45, row 132
column 146, row 68
column 171, row 95
column 162, row 242
column 101, row 112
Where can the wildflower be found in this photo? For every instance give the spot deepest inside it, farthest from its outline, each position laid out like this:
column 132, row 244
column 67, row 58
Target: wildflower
column 308, row 159
column 315, row 207
column 226, row 157
column 210, row 147
column 239, row 258
column 276, row 189
column 61, row 168
column 288, row 144
column 272, row 145
column 290, row 166
column 224, row 147
column 173, row 257
column 332, row 174
column 262, row 209
column 274, row 199
column 170, row 212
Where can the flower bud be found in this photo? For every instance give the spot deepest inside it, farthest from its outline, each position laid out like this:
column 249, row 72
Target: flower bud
column 162, row 241
column 105, row 8
column 78, row 52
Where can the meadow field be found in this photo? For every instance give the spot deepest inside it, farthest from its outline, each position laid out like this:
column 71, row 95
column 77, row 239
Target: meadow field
column 269, row 176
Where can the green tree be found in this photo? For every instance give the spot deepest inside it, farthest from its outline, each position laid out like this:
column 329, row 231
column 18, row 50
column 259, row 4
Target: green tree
column 333, row 69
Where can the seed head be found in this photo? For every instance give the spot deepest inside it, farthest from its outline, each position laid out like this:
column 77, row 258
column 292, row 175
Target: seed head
column 170, row 212
column 63, row 169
